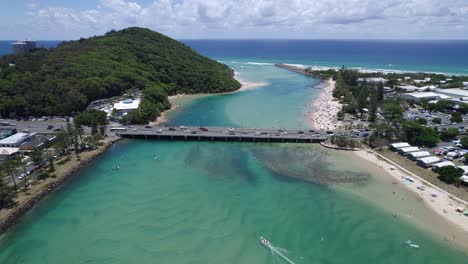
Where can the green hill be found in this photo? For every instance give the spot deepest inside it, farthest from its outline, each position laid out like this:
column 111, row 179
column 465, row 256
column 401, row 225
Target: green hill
column 65, row 79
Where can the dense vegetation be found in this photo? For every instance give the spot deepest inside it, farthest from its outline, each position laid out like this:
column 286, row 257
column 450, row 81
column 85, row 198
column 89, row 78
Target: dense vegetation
column 65, row 79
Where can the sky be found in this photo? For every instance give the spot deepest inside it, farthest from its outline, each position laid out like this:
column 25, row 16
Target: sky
column 237, row 19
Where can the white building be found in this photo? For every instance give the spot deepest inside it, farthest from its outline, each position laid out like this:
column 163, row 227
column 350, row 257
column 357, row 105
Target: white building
column 407, row 88
column 465, row 84
column 399, row 145
column 454, row 93
column 427, row 161
column 124, row 106
column 464, row 168
column 16, row 140
column 439, row 165
column 418, row 154
column 21, row 47
column 407, row 150
column 373, row 80
column 418, row 97
column 6, row 153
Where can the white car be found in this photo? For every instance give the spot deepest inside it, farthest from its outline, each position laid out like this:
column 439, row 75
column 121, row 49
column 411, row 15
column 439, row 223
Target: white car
column 22, row 176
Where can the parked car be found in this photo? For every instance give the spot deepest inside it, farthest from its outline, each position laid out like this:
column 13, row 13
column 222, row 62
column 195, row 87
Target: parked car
column 22, row 176
column 203, row 129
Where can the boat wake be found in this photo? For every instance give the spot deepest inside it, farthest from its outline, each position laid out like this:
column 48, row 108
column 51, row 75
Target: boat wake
column 276, row 250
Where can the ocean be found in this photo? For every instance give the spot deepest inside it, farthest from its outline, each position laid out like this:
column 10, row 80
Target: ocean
column 441, row 56
column 203, row 202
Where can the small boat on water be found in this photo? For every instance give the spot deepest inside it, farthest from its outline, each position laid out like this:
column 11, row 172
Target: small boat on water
column 411, row 244
column 266, row 243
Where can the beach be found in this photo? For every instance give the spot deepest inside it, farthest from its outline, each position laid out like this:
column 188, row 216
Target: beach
column 247, row 85
column 439, row 201
column 178, row 100
column 322, row 111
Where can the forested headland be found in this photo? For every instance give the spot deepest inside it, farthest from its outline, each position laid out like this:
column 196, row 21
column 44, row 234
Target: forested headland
column 63, row 80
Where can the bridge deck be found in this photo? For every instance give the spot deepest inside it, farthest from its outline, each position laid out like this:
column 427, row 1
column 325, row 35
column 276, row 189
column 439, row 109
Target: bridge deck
column 225, row 134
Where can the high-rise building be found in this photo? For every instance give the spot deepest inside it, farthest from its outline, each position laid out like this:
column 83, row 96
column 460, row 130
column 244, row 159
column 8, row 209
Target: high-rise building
column 21, row 47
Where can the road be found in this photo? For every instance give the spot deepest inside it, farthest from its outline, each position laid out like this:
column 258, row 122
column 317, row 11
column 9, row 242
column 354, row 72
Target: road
column 41, row 127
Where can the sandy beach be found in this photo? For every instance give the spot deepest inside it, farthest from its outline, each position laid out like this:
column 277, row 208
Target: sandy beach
column 435, row 198
column 177, row 99
column 246, row 85
column 322, row 111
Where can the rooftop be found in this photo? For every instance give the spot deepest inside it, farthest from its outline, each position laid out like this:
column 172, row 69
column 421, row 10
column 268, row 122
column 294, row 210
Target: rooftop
column 15, row 138
column 127, row 104
column 8, row 151
column 424, row 94
column 454, row 92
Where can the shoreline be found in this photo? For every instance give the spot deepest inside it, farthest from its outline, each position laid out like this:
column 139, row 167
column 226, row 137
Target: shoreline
column 322, row 111
column 26, row 201
column 322, row 114
column 246, row 85
column 444, row 205
column 175, row 99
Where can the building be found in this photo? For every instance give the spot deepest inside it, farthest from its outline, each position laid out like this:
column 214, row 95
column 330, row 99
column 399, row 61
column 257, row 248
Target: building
column 399, row 145
column 407, row 88
column 15, row 141
column 373, row 80
column 454, row 93
column 6, row 153
column 420, row 96
column 21, row 47
column 418, row 155
column 407, row 150
column 427, row 161
column 465, row 85
column 439, row 165
column 124, row 106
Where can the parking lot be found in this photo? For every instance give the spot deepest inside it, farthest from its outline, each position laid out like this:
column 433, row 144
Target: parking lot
column 414, row 114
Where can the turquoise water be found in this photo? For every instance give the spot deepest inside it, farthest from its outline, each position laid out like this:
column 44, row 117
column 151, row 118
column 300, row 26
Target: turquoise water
column 204, row 202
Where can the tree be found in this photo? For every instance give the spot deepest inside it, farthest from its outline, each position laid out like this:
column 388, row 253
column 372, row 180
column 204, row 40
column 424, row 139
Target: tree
column 450, row 174
column 419, row 135
column 91, row 117
column 456, row 117
column 380, row 92
column 422, row 121
column 11, row 168
column 7, row 195
column 51, row 164
column 393, row 111
column 449, row 134
column 464, row 142
column 66, row 79
column 36, row 155
column 436, row 120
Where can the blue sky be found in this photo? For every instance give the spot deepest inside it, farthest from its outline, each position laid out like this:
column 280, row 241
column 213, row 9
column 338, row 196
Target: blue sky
column 300, row 19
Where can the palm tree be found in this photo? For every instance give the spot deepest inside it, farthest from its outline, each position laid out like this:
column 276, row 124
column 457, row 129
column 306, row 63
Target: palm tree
column 11, row 167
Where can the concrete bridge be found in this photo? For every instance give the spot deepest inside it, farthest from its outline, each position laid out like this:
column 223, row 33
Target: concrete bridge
column 183, row 133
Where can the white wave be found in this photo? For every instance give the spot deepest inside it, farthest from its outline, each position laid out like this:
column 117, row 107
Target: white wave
column 297, row 65
column 260, row 63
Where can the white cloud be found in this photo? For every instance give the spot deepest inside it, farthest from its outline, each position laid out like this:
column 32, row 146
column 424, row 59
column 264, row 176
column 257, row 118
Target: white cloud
column 264, row 18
